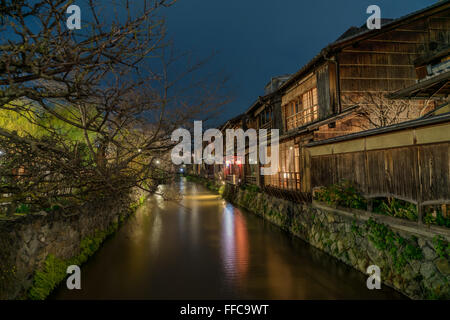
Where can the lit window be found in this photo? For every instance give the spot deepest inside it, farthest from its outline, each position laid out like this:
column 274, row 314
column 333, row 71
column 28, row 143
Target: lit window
column 302, row 111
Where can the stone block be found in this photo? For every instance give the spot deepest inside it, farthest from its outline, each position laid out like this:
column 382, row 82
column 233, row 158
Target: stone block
column 428, row 253
column 427, row 269
column 443, row 266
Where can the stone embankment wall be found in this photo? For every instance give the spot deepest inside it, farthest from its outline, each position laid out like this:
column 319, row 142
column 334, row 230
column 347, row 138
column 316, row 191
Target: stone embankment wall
column 35, row 249
column 413, row 260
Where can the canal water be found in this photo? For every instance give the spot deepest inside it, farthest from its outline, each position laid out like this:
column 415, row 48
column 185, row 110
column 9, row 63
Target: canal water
column 205, row 248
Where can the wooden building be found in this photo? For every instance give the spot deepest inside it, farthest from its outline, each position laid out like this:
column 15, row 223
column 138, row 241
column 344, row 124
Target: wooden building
column 409, row 161
column 365, row 80
column 342, row 89
column 233, row 169
column 264, row 113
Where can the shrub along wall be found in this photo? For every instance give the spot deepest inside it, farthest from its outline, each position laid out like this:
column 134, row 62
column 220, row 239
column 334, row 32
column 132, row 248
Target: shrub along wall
column 413, row 261
column 36, row 249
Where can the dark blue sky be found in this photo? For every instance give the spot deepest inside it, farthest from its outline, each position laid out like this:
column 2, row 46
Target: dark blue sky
column 258, row 39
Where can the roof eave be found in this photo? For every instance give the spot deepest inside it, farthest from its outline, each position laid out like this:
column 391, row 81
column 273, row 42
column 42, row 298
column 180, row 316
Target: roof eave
column 336, row 46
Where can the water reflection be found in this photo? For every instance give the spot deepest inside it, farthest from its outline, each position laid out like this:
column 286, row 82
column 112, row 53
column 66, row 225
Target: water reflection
column 203, row 247
column 235, row 246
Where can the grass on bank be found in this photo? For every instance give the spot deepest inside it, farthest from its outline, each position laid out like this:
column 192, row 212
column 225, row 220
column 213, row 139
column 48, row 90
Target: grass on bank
column 54, row 268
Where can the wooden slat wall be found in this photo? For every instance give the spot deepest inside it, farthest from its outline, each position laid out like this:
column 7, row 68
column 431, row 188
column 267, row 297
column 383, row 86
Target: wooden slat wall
column 439, row 28
column 435, row 164
column 323, row 91
column 417, row 173
column 305, row 84
column 386, row 62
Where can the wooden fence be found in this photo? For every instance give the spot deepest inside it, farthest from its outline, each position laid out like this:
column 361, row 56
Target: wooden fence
column 390, row 164
column 284, row 180
column 290, row 195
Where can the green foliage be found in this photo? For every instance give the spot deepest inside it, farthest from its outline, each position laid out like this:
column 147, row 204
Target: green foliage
column 356, row 229
column 279, row 218
column 396, row 208
column 252, row 188
column 400, row 249
column 138, row 203
column 52, row 208
column 45, row 281
column 54, row 269
column 13, row 121
column 343, row 194
column 211, row 185
column 436, row 294
column 23, row 208
column 297, row 228
column 442, row 247
column 32, row 122
column 249, row 195
column 436, row 217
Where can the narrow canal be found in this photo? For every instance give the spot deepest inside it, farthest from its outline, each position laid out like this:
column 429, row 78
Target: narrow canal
column 205, row 248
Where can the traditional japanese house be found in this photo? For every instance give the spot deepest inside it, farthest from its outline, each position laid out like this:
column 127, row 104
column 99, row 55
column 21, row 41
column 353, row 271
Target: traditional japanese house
column 264, row 113
column 202, row 169
column 343, row 89
column 433, row 79
column 233, row 168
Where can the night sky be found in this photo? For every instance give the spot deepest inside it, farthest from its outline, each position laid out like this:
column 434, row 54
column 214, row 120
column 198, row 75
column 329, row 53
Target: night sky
column 259, row 39
column 254, row 40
